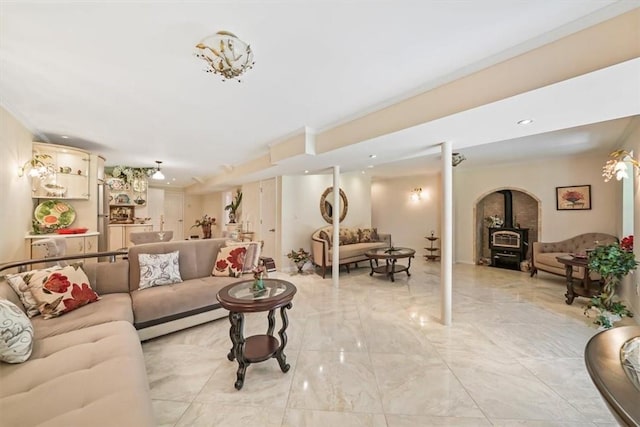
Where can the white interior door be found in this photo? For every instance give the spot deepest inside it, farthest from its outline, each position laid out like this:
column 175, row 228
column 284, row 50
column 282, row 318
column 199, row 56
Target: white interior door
column 268, row 204
column 174, row 213
column 155, row 206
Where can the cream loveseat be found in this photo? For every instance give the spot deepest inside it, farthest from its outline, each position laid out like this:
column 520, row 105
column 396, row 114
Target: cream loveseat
column 543, row 256
column 354, row 242
column 87, row 367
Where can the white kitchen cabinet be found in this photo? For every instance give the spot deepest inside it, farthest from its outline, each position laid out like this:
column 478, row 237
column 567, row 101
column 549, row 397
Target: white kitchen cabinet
column 120, row 234
column 70, row 177
column 76, row 244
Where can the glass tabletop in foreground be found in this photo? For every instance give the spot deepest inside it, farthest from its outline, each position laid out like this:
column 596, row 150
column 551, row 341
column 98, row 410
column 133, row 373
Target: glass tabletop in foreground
column 391, row 252
column 240, row 296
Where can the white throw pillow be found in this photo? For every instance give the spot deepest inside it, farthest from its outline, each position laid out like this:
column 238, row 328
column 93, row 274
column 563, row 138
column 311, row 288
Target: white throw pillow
column 159, row 269
column 16, row 335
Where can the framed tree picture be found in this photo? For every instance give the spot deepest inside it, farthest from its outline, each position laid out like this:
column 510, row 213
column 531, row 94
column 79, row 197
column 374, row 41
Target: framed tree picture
column 573, row 198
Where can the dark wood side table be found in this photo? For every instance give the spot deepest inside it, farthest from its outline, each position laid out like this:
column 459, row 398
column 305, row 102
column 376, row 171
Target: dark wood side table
column 587, row 287
column 238, row 298
column 390, row 257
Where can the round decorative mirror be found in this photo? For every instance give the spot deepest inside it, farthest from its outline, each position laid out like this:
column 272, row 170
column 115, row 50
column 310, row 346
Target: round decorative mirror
column 326, row 205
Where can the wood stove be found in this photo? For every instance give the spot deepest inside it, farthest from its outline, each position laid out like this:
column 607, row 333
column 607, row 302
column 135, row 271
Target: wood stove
column 509, row 245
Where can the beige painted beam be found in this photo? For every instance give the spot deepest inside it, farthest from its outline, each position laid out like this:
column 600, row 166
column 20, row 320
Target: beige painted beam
column 602, row 45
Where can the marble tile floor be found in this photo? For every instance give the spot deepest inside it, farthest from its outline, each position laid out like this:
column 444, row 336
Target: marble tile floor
column 373, row 353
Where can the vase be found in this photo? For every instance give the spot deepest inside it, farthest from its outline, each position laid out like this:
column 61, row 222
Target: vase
column 232, row 217
column 300, row 265
column 206, row 231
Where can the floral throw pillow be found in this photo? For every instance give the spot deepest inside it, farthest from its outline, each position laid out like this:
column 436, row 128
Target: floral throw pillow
column 62, row 291
column 367, row 235
column 16, row 335
column 159, row 269
column 20, row 284
column 230, row 261
column 251, row 257
column 348, row 236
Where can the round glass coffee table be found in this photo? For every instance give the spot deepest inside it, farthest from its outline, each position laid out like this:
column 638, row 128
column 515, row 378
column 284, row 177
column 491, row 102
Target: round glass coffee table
column 390, row 257
column 239, row 298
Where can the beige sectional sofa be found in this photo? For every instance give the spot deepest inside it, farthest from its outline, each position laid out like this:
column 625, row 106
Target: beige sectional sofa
column 87, row 366
column 544, row 255
column 354, row 242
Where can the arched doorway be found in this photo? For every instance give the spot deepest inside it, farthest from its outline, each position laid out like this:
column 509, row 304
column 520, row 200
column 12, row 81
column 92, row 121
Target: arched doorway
column 525, row 214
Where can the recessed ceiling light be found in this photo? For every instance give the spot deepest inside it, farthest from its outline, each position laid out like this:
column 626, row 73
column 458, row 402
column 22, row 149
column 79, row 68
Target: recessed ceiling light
column 525, row 121
column 372, row 156
column 306, row 171
column 64, row 137
column 370, row 166
column 363, row 172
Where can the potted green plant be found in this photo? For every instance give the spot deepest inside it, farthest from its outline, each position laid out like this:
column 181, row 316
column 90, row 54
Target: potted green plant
column 234, row 206
column 612, row 262
column 299, row 257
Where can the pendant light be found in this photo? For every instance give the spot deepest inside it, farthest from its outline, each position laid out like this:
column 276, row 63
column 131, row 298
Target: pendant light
column 158, row 174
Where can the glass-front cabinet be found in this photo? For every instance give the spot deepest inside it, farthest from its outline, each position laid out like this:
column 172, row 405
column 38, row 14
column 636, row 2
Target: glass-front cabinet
column 68, row 176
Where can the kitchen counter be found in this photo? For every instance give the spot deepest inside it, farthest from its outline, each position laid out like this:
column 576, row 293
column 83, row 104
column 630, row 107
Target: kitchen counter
column 48, row 235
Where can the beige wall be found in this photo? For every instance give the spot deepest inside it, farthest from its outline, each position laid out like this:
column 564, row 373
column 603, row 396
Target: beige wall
column 408, row 221
column 15, row 192
column 300, row 210
column 538, row 178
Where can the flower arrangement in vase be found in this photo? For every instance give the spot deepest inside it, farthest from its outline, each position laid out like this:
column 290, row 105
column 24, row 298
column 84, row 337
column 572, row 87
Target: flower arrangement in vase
column 299, row 257
column 612, row 262
column 205, row 222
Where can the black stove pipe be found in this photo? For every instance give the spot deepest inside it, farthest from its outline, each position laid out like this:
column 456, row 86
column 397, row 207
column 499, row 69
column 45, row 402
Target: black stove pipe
column 508, row 208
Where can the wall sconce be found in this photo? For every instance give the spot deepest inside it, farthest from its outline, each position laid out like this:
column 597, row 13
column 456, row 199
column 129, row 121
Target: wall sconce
column 37, row 167
column 417, row 194
column 617, row 165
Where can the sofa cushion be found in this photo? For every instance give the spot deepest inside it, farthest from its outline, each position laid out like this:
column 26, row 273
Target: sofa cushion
column 167, row 302
column 252, row 256
column 348, row 236
column 326, row 236
column 109, row 308
column 230, row 261
column 16, row 335
column 357, row 250
column 89, row 377
column 366, row 235
column 61, row 291
column 196, row 257
column 159, row 269
column 20, row 284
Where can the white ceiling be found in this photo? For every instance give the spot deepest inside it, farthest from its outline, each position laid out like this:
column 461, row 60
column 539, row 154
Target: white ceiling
column 120, row 79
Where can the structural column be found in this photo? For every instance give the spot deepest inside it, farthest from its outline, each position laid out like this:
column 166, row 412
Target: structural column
column 446, row 260
column 335, row 259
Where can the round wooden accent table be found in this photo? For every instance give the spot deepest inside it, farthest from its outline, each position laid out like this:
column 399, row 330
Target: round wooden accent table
column 238, row 298
column 390, row 257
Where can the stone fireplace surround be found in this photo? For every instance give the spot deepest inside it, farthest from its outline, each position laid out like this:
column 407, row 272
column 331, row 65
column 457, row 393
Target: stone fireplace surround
column 526, row 214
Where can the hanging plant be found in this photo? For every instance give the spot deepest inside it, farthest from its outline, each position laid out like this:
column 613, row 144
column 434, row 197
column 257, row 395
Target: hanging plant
column 129, row 174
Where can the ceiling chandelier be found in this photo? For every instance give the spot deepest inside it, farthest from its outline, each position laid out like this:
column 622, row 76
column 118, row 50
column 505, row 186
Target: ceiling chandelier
column 158, row 174
column 225, row 54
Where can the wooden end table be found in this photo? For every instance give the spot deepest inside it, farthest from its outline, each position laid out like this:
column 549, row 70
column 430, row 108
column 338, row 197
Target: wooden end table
column 587, row 288
column 390, row 256
column 238, row 298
